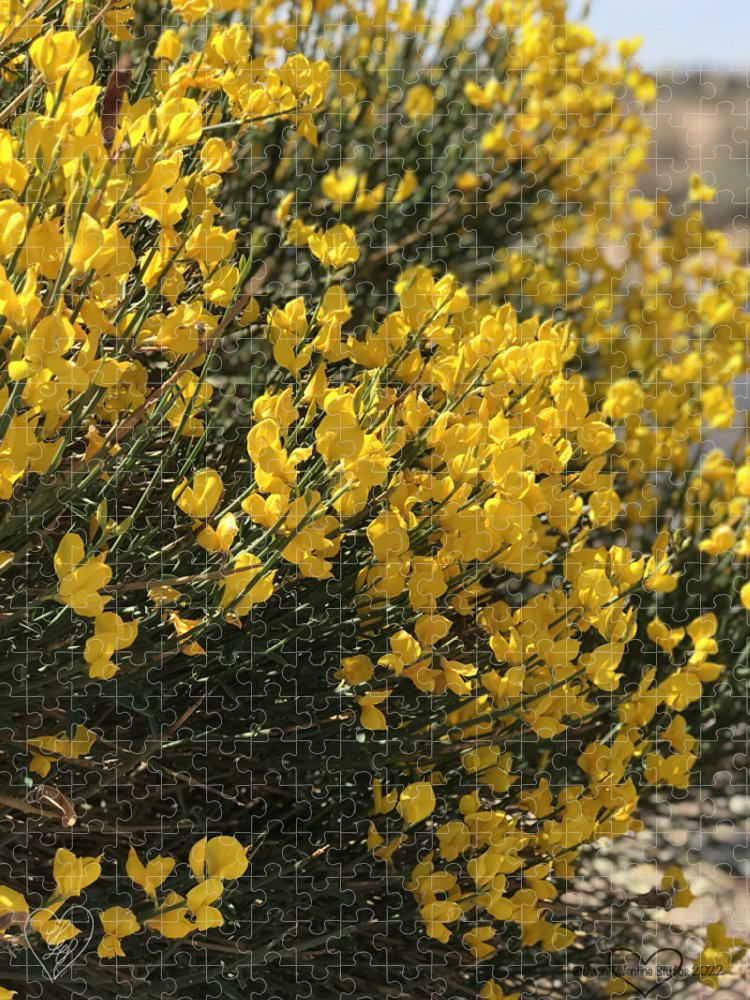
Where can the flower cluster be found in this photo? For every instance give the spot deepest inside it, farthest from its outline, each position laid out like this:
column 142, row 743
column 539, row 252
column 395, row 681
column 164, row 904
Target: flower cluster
column 352, row 509
column 174, row 916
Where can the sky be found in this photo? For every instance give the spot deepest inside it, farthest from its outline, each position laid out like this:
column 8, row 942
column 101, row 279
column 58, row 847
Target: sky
column 679, row 34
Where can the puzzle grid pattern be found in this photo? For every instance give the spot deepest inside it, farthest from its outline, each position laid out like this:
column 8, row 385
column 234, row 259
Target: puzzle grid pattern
column 250, row 734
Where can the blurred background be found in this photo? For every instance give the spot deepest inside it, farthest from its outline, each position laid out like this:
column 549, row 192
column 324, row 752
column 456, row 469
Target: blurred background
column 699, row 53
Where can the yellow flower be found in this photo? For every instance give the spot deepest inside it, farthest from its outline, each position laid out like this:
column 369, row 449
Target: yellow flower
column 335, row 247
column 13, row 905
column 13, row 220
column 420, row 102
column 718, row 954
column 151, row 875
column 54, row 55
column 665, row 637
column 220, row 538
column 178, row 121
column 382, row 803
column 478, row 941
column 169, row 46
column 54, row 930
column 721, row 539
column 216, row 156
column 416, row 802
column 250, row 586
column 192, row 394
column 340, row 187
column 111, row 634
column 193, row 10
column 202, row 498
column 172, row 921
column 699, row 191
column 601, row 665
column 671, row 770
column 81, row 578
column 73, row 874
column 436, row 914
column 105, row 251
column 218, row 858
column 371, row 716
column 355, row 670
column 406, row 187
column 385, row 852
column 483, row 97
column 183, row 626
column 675, row 882
column 453, row 838
column 678, row 736
column 78, row 746
column 604, row 506
column 199, row 900
column 117, row 922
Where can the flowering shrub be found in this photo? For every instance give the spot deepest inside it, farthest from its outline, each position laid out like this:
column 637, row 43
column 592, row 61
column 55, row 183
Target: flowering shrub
column 360, row 573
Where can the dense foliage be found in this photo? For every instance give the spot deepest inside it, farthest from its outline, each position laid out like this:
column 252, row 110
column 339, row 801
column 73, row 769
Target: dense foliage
column 362, row 566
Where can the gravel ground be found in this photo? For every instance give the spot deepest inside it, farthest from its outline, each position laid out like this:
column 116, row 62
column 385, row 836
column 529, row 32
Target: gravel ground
column 710, row 842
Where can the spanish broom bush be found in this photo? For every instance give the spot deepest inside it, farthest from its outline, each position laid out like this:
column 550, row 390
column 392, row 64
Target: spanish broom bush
column 363, row 567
